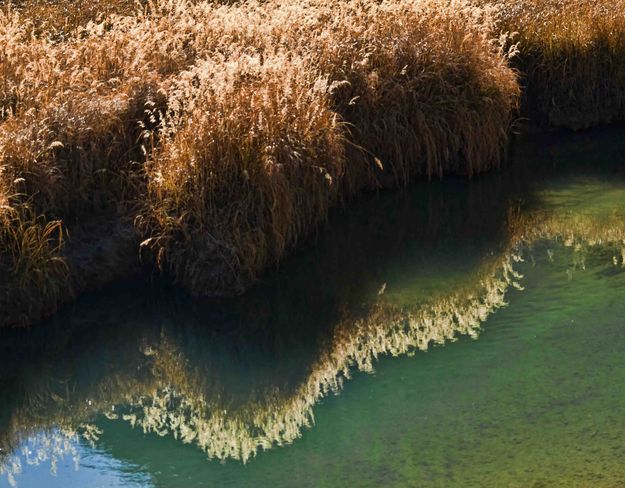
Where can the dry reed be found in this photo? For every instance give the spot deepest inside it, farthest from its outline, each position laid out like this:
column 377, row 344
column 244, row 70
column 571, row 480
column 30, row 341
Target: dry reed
column 227, row 132
column 572, row 59
column 370, row 94
column 35, row 273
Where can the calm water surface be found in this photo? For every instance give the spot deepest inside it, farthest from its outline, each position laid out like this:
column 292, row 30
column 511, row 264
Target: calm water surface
column 456, row 334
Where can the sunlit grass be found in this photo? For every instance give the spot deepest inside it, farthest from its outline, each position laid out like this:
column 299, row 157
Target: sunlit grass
column 227, row 132
column 62, row 16
column 572, row 59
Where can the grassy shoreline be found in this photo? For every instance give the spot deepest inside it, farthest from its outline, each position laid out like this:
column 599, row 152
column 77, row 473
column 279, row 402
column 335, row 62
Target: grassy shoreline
column 211, row 138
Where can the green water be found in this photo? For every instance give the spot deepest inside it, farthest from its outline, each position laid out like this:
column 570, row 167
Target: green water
column 456, row 334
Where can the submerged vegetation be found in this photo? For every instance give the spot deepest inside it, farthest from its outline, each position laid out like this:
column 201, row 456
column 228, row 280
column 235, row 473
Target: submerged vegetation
column 213, row 137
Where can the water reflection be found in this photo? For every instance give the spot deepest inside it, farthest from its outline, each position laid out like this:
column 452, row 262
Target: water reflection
column 394, row 275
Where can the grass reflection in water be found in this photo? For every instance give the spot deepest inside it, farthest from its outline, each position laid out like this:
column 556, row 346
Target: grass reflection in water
column 233, row 378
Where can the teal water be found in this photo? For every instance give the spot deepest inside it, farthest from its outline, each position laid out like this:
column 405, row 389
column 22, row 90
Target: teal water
column 456, row 334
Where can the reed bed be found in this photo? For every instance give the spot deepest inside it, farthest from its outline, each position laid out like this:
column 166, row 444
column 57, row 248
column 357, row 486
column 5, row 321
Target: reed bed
column 572, row 59
column 227, row 132
column 61, row 17
column 69, row 136
column 351, row 110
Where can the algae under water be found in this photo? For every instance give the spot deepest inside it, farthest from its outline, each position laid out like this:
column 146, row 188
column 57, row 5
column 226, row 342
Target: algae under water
column 461, row 333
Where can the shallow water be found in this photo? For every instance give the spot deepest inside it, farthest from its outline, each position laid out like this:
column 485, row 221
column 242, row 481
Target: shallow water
column 456, row 334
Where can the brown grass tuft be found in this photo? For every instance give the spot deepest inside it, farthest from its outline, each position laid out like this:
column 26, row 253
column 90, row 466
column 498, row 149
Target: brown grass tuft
column 572, row 58
column 34, row 274
column 255, row 163
column 369, row 94
column 228, row 131
column 61, row 17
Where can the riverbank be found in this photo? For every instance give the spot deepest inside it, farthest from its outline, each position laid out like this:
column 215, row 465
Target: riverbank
column 211, row 138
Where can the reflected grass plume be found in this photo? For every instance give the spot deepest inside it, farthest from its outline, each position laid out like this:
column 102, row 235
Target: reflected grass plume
column 191, row 410
column 49, row 446
column 181, row 396
column 185, row 409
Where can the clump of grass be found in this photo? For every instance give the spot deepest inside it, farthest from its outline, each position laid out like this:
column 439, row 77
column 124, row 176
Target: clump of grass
column 232, row 129
column 61, row 17
column 71, row 113
column 34, row 273
column 68, row 135
column 572, row 57
column 425, row 86
column 255, row 164
column 370, row 94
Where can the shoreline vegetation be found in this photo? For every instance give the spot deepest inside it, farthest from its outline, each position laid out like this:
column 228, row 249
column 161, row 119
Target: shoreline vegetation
column 205, row 140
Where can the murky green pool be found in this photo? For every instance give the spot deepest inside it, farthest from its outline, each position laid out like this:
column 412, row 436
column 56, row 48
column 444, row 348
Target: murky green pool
column 456, row 334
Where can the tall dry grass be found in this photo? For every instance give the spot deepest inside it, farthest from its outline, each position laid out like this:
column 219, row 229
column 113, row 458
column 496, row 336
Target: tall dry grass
column 252, row 161
column 227, row 132
column 369, row 94
column 30, row 257
column 69, row 136
column 572, row 59
column 61, row 17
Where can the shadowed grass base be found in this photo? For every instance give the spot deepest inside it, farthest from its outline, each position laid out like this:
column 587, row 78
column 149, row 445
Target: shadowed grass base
column 571, row 58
